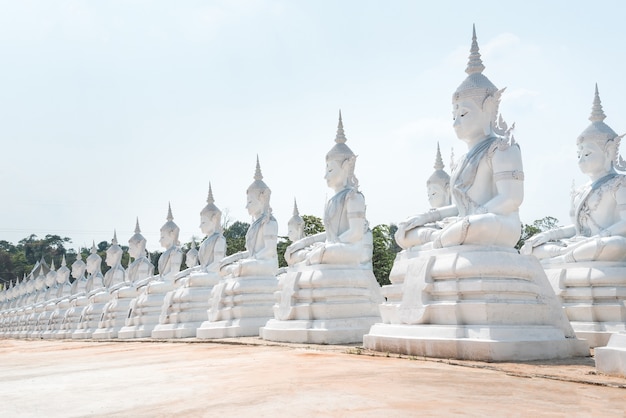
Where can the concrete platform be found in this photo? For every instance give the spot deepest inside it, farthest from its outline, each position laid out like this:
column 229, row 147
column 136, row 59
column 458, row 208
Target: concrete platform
column 252, row 377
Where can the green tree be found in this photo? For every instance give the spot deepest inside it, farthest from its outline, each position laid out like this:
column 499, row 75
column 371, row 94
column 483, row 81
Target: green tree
column 235, row 235
column 538, row 225
column 385, row 250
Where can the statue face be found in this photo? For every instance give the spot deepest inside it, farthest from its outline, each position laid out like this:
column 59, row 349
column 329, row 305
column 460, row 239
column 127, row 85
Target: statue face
column 50, row 279
column 62, row 275
column 207, row 223
column 166, row 239
column 592, row 159
column 78, row 269
column 471, row 123
column 336, row 175
column 295, row 231
column 437, row 195
column 191, row 259
column 39, row 283
column 93, row 263
column 113, row 257
column 255, row 204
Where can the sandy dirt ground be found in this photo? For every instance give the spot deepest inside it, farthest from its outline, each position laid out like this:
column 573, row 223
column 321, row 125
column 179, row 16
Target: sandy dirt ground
column 250, row 377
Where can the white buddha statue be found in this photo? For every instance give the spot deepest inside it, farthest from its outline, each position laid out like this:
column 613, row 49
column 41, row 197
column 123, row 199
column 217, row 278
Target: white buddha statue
column 295, row 232
column 598, row 232
column 97, row 295
column 185, row 308
column 242, row 301
column 331, row 296
column 438, row 191
column 60, row 302
column 467, row 293
column 145, row 309
column 73, row 310
column 48, row 295
column 138, row 272
column 586, row 261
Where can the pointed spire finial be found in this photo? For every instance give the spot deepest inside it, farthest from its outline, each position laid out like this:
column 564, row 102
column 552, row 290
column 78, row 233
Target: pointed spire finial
column 93, row 248
column 63, row 262
column 597, row 114
column 295, row 208
column 137, row 229
column 209, row 198
column 170, row 217
column 438, row 161
column 341, row 135
column 114, row 240
column 193, row 244
column 52, row 268
column 475, row 64
column 257, row 173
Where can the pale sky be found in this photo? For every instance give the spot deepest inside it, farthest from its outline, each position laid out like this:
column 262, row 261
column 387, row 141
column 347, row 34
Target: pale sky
column 110, row 110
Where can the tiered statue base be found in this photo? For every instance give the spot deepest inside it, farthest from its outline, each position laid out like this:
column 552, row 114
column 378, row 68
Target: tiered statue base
column 145, row 310
column 185, row 309
column 593, row 295
column 474, row 303
column 56, row 319
column 324, row 304
column 612, row 358
column 114, row 313
column 239, row 307
column 90, row 318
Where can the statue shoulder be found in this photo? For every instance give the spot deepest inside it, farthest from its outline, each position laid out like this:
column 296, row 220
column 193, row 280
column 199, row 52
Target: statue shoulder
column 505, row 156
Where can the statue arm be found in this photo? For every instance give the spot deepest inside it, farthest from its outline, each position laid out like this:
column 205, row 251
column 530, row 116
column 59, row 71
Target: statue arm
column 509, row 182
column 270, row 236
column 219, row 252
column 355, row 207
column 619, row 227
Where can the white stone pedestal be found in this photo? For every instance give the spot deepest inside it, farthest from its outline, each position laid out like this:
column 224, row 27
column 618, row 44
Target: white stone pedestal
column 145, row 310
column 475, row 303
column 324, row 304
column 593, row 295
column 186, row 308
column 611, row 359
column 115, row 312
column 91, row 315
column 239, row 307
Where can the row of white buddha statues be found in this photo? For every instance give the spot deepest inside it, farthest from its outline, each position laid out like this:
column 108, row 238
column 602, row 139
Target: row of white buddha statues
column 459, row 288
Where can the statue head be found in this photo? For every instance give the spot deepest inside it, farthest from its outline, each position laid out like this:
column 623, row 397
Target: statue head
column 598, row 144
column 258, row 194
column 40, row 281
column 114, row 252
column 169, row 231
column 340, row 162
column 438, row 184
column 51, row 278
column 475, row 102
column 94, row 261
column 191, row 257
column 295, row 226
column 137, row 243
column 63, row 273
column 78, row 266
column 210, row 216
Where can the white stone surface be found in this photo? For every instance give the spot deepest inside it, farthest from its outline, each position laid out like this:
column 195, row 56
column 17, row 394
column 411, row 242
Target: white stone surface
column 611, row 359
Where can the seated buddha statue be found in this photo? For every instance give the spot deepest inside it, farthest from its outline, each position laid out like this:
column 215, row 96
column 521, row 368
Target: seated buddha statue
column 295, row 232
column 260, row 257
column 438, row 190
column 141, row 268
column 329, row 294
column 242, row 301
column 116, row 276
column 598, row 231
column 487, row 184
column 347, row 238
column 586, row 260
column 185, row 307
column 144, row 310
